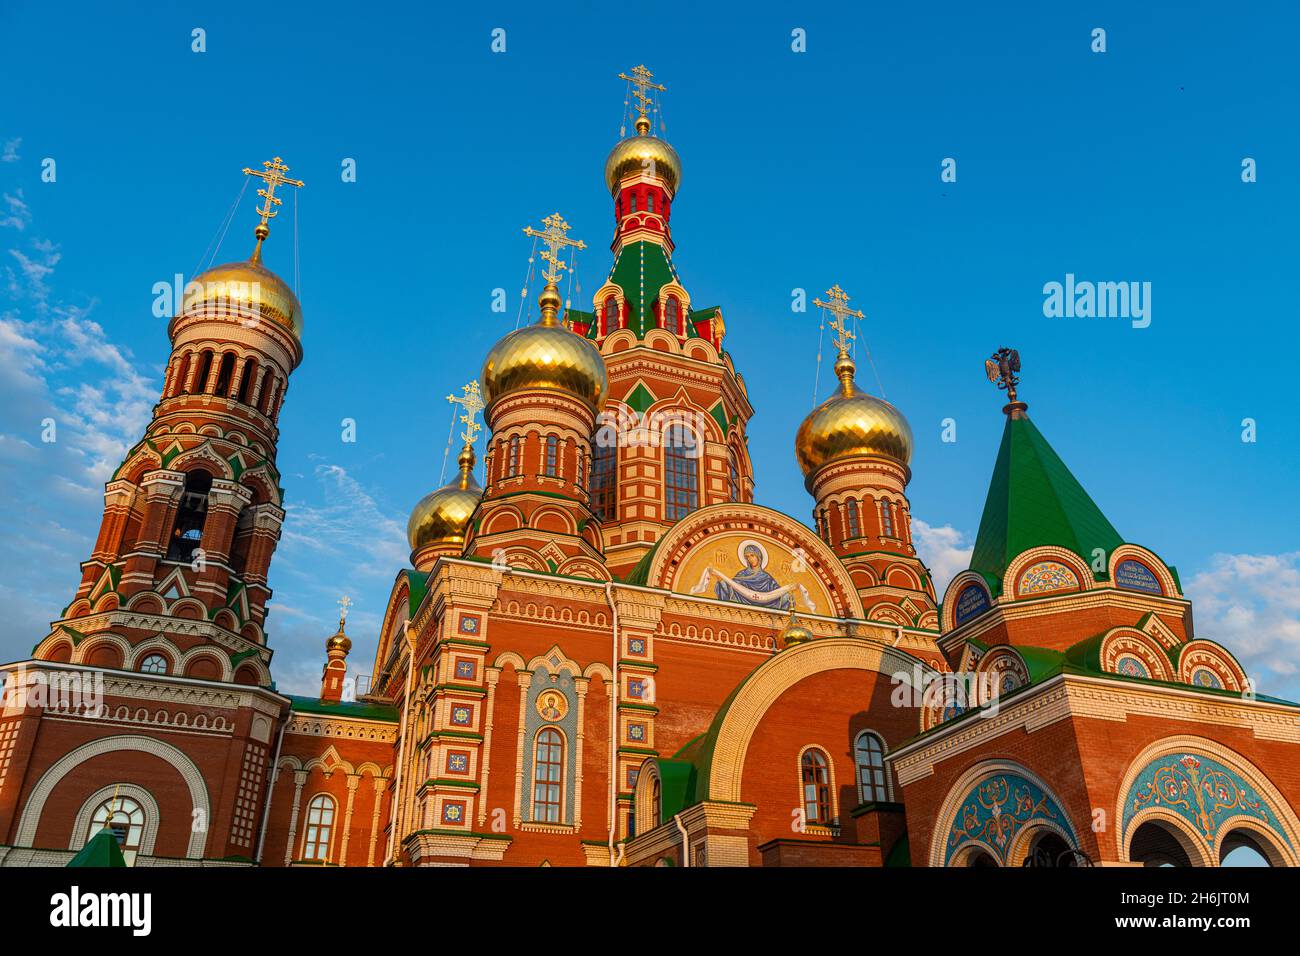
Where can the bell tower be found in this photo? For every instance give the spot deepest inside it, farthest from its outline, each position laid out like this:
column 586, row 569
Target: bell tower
column 193, row 514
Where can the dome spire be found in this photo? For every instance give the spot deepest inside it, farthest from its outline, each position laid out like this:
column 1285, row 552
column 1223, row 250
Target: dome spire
column 838, row 306
column 273, row 175
column 555, row 237
column 472, row 403
column 640, row 79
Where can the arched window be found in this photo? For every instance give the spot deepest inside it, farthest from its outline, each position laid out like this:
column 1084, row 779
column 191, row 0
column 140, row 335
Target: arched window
column 657, row 801
column 611, row 314
column 869, row 753
column 548, row 769
column 632, row 199
column 823, row 525
column 673, row 314
column 125, row 818
column 816, row 776
column 552, row 456
column 225, row 374
column 886, row 518
column 201, row 375
column 246, row 381
column 855, row 523
column 191, row 513
column 154, row 664
column 649, row 202
column 264, row 392
column 604, row 488
column 512, row 465
column 733, row 476
column 320, row 828
column 178, row 386
column 681, row 471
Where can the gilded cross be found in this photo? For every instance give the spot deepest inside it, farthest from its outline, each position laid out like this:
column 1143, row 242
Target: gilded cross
column 273, row 175
column 555, row 237
column 641, row 78
column 838, row 306
column 472, row 403
column 344, row 602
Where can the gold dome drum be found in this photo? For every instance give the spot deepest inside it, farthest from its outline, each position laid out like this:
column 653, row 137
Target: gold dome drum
column 852, row 423
column 245, row 287
column 546, row 357
column 647, row 153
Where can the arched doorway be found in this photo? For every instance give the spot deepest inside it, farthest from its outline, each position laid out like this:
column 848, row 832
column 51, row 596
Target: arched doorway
column 1049, row 849
column 1157, row 844
column 974, row 856
column 1243, row 848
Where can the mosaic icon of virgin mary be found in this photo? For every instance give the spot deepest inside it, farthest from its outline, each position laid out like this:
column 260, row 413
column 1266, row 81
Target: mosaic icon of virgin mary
column 752, row 584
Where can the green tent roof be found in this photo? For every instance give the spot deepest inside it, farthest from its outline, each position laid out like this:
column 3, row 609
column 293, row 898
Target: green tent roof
column 100, row 850
column 641, row 270
column 1033, row 500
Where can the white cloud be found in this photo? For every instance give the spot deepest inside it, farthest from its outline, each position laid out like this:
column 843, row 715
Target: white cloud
column 1250, row 603
column 9, row 152
column 15, row 213
column 944, row 551
column 350, row 523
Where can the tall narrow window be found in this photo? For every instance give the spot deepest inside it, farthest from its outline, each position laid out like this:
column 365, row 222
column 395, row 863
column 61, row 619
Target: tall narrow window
column 673, row 315
column 649, row 202
column 604, row 488
column 513, row 463
column 633, row 199
column 548, row 769
column 246, row 381
column 320, row 827
column 552, row 456
column 178, row 386
column 125, row 817
column 823, row 525
column 816, row 787
column 191, row 513
column 681, row 472
column 225, row 374
column 611, row 314
column 264, row 392
column 201, row 376
column 869, row 752
column 855, row 523
column 886, row 518
column 733, row 476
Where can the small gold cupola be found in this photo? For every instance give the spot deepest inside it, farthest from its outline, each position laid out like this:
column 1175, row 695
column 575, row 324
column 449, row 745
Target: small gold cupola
column 440, row 521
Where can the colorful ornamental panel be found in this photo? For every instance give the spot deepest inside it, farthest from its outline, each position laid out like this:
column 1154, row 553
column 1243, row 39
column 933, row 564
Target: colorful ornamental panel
column 1136, row 576
column 1201, row 790
column 971, row 602
column 999, row 807
column 1046, row 576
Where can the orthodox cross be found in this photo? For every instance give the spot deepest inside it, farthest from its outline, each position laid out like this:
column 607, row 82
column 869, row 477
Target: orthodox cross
column 838, row 306
column 1002, row 368
column 472, row 402
column 345, row 602
column 272, row 175
column 640, row 78
column 555, row 238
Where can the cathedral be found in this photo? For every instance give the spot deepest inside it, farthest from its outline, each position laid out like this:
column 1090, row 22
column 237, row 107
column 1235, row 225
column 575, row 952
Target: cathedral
column 603, row 652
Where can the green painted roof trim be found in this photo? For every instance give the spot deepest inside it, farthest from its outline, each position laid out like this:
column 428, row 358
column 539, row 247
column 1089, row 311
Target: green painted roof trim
column 418, row 586
column 677, row 785
column 640, row 572
column 719, row 415
column 900, row 854
column 1034, row 500
column 358, row 709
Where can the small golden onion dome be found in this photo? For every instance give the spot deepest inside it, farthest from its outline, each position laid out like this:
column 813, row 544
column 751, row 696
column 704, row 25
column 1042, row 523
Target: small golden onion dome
column 339, row 642
column 248, row 286
column 546, row 356
column 643, row 152
column 851, row 423
column 442, row 516
column 795, row 633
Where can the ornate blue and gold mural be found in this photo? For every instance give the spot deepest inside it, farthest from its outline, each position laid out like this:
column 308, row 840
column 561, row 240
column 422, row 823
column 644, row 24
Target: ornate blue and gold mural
column 1202, row 791
column 999, row 807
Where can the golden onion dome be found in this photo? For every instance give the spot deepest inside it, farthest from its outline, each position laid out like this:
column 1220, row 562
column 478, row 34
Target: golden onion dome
column 851, row 423
column 249, row 286
column 643, row 152
column 546, row 356
column 442, row 517
column 795, row 633
column 339, row 642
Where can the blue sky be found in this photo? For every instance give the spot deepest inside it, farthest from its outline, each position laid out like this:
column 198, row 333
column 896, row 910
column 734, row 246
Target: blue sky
column 800, row 170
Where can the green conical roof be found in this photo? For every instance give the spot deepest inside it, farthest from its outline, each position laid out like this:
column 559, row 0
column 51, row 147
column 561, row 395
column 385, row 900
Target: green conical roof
column 100, row 850
column 1033, row 501
column 640, row 270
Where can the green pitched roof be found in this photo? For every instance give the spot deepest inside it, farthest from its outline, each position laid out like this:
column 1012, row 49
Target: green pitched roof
column 100, row 850
column 641, row 270
column 1033, row 500
column 362, row 710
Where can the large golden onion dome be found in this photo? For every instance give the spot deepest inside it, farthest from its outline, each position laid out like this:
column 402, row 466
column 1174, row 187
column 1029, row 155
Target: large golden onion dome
column 851, row 423
column 339, row 642
column 546, row 356
column 643, row 152
column 248, row 286
column 442, row 517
